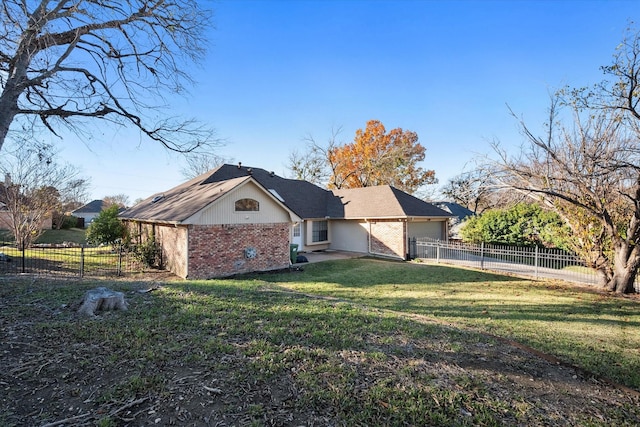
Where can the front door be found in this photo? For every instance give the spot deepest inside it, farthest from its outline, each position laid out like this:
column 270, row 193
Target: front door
column 296, row 235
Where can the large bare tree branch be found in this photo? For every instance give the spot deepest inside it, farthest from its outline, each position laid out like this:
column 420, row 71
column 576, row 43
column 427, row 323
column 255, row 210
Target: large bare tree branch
column 67, row 60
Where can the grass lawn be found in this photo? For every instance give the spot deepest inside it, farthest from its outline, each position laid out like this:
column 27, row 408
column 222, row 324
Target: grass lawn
column 595, row 331
column 74, row 235
column 343, row 343
column 64, row 259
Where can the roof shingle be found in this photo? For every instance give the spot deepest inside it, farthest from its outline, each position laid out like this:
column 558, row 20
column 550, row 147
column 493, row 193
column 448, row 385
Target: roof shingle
column 305, row 199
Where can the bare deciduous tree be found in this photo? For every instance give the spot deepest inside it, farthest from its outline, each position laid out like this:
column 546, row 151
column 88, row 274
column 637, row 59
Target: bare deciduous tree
column 120, row 200
column 74, row 194
column 30, row 191
column 199, row 163
column 315, row 164
column 62, row 61
column 470, row 189
column 477, row 190
column 589, row 173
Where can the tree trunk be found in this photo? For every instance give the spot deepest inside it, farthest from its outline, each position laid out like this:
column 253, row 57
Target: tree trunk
column 625, row 269
column 8, row 109
column 604, row 277
column 101, row 299
column 623, row 280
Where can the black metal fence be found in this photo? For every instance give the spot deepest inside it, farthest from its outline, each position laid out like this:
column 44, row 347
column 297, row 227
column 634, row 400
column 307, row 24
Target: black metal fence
column 77, row 260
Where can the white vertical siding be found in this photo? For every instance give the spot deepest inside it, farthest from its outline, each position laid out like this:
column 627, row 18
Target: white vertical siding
column 223, row 211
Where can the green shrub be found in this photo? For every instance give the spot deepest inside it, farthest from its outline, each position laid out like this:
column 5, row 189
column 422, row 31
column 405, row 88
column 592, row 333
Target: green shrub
column 106, row 228
column 524, row 224
column 149, row 253
column 69, row 222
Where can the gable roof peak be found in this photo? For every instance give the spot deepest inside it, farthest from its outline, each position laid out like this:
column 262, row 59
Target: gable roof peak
column 91, row 207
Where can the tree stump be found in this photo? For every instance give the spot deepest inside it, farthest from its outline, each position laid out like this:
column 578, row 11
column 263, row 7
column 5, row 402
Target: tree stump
column 101, row 299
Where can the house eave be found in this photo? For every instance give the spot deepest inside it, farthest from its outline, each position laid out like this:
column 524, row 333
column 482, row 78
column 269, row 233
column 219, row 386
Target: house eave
column 153, row 221
column 396, row 217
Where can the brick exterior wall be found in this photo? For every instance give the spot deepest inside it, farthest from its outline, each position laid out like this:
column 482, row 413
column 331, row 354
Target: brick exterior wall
column 388, row 238
column 219, row 250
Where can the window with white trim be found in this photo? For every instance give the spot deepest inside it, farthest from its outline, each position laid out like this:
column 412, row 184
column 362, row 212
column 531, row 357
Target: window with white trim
column 319, row 231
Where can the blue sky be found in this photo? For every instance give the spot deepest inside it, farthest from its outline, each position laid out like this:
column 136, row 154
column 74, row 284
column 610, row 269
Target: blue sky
column 278, row 71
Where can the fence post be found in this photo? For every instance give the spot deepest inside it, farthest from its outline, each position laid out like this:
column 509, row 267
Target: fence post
column 482, row 256
column 414, row 247
column 81, row 260
column 438, row 252
column 536, row 262
column 120, row 260
column 23, row 260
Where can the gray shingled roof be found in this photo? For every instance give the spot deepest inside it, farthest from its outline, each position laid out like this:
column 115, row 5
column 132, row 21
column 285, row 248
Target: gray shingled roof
column 455, row 209
column 384, row 201
column 306, row 200
column 181, row 202
column 302, row 197
column 91, row 207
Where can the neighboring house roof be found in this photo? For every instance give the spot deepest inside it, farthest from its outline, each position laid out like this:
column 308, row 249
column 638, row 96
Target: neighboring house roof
column 457, row 210
column 304, row 199
column 91, row 207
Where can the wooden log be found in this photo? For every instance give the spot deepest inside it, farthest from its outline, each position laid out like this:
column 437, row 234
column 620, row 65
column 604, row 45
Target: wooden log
column 103, row 299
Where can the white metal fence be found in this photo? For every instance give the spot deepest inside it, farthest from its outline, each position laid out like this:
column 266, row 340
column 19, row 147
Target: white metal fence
column 527, row 261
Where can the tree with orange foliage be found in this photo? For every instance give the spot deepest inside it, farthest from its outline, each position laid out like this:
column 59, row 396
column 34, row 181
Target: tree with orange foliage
column 378, row 157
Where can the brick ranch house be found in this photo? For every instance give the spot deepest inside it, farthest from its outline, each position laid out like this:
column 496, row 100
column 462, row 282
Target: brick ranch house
column 236, row 219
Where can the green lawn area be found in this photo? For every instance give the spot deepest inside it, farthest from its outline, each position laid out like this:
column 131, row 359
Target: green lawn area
column 595, row 331
column 66, row 259
column 74, row 235
column 359, row 342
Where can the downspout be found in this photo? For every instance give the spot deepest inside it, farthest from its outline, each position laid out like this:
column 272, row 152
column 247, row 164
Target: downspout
column 405, row 238
column 446, row 230
column 186, row 252
column 369, row 238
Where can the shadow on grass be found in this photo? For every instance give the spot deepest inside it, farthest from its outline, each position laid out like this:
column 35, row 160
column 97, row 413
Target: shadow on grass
column 584, row 327
column 454, row 292
column 245, row 351
column 364, row 272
